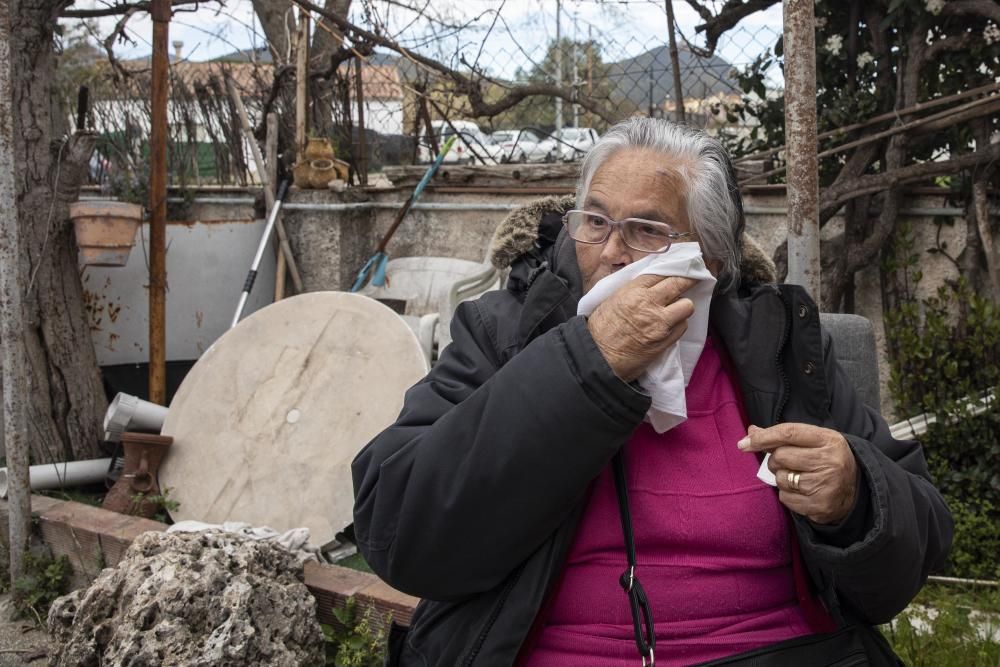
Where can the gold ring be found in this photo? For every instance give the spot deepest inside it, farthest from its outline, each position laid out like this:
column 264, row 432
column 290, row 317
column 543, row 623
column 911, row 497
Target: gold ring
column 793, row 480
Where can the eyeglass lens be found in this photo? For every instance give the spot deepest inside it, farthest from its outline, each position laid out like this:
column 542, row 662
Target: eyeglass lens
column 642, row 235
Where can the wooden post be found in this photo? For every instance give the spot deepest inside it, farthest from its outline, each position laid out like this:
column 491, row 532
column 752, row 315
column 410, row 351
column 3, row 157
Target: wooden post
column 675, row 65
column 302, row 83
column 16, row 379
column 271, row 163
column 800, row 136
column 269, row 193
column 158, row 207
column 362, row 158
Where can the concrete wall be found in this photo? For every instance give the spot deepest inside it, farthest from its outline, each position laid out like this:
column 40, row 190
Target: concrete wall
column 331, row 246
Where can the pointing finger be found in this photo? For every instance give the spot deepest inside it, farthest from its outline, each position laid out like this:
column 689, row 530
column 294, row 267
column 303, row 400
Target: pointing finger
column 766, row 439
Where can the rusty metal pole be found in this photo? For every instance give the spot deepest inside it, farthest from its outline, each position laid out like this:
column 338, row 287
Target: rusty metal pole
column 16, row 379
column 362, row 159
column 801, row 151
column 158, row 207
column 675, row 64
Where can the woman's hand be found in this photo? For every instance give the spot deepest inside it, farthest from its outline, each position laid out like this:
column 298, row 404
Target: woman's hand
column 815, row 469
column 638, row 322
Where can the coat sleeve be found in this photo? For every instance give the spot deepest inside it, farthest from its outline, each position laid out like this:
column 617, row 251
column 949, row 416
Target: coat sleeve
column 486, row 460
column 898, row 532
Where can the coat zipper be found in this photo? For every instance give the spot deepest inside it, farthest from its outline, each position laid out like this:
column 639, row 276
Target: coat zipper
column 828, row 595
column 783, row 401
column 481, row 639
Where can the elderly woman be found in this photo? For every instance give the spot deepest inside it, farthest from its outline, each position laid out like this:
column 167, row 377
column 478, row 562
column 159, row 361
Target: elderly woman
column 526, row 496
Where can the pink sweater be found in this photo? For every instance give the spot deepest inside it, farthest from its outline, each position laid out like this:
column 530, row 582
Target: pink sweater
column 713, row 546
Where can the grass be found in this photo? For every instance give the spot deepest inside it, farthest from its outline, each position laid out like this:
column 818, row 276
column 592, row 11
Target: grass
column 93, row 499
column 949, row 626
column 983, row 598
column 355, row 562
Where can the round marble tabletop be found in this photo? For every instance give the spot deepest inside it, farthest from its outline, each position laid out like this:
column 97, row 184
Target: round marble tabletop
column 266, row 423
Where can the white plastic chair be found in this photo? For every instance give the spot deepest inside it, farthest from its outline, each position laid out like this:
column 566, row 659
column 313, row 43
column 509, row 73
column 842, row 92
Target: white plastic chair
column 432, row 288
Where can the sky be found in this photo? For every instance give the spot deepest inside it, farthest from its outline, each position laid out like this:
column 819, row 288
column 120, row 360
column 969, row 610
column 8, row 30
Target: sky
column 518, row 37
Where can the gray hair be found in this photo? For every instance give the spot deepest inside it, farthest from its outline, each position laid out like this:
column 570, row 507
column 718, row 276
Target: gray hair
column 714, row 204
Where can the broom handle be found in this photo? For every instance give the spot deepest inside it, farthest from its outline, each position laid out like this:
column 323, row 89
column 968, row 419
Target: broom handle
column 416, row 193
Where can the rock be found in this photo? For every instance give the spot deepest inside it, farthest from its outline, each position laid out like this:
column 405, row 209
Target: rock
column 191, row 599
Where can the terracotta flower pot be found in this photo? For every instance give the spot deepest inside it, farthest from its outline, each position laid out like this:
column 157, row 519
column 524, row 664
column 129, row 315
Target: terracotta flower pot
column 137, row 483
column 302, row 175
column 105, row 230
column 322, row 173
column 318, row 148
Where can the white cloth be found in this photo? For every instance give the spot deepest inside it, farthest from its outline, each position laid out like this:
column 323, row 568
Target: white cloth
column 295, row 540
column 666, row 379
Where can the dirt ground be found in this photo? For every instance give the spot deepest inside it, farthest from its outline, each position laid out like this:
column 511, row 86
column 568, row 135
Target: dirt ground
column 21, row 642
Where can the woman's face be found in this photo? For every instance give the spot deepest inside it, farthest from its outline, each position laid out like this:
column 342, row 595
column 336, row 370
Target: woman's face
column 632, row 183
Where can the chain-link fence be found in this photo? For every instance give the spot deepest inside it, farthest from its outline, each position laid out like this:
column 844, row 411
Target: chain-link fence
column 543, row 103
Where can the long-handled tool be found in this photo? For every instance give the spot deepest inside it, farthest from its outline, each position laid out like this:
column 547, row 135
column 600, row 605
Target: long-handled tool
column 252, row 275
column 381, row 258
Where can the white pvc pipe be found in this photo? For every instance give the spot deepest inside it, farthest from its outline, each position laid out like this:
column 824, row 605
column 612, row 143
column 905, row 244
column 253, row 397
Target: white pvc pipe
column 61, row 475
column 130, row 413
column 958, row 580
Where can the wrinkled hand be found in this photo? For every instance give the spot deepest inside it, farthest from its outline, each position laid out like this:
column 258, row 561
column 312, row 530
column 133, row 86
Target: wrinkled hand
column 636, row 324
column 822, row 459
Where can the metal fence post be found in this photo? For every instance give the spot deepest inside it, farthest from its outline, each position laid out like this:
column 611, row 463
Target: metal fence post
column 675, row 64
column 16, row 382
column 801, row 147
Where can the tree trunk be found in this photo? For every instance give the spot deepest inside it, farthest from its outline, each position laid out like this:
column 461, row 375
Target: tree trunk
column 67, row 399
column 277, row 20
column 278, row 26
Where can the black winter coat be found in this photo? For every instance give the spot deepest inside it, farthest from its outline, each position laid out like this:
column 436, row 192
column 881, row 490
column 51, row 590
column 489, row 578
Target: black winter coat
column 471, row 499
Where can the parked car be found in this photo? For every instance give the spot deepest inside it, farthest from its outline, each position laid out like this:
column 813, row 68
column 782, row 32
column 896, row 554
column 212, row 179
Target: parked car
column 574, row 142
column 472, row 143
column 525, row 146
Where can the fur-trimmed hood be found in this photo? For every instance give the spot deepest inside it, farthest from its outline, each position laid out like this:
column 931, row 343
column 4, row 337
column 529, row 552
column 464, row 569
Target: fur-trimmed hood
column 517, row 234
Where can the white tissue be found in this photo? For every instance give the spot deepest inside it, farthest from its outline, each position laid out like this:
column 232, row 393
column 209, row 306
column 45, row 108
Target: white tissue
column 764, row 473
column 666, row 379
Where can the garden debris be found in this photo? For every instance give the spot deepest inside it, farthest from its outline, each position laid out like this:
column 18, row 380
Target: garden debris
column 191, row 599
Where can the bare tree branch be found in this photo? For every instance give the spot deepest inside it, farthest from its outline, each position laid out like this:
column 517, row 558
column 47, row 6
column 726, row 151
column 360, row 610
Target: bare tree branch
column 122, row 8
column 463, row 85
column 985, row 8
column 731, row 13
column 836, row 195
column 703, row 11
column 109, row 42
column 953, row 43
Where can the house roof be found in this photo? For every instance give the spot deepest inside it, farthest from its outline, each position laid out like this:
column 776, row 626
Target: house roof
column 380, row 82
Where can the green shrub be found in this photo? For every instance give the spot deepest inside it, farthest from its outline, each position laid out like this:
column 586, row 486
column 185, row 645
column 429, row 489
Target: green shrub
column 44, row 579
column 945, row 350
column 356, row 642
column 974, row 553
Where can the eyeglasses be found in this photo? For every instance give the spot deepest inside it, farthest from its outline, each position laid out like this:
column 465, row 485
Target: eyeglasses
column 638, row 234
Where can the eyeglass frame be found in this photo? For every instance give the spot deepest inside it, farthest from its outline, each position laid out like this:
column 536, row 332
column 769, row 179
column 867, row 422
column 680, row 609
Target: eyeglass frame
column 672, row 237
